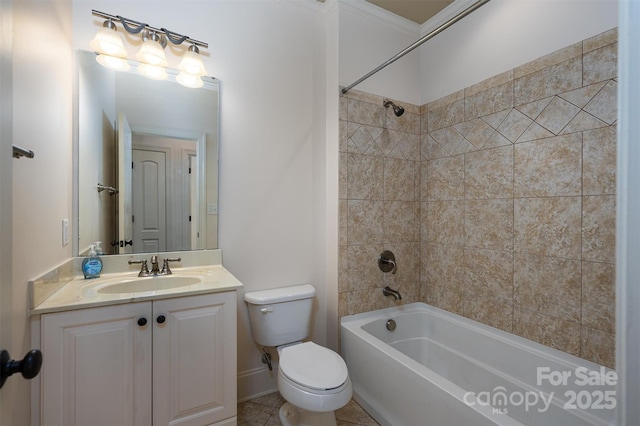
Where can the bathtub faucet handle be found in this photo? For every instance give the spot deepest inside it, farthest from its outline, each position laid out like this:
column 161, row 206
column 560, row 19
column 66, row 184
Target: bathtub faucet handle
column 388, row 291
column 387, row 262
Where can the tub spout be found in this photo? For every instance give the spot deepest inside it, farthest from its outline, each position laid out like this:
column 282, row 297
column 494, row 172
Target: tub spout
column 388, row 291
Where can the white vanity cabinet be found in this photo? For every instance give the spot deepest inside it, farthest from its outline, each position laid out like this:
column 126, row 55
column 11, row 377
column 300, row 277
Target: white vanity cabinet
column 161, row 362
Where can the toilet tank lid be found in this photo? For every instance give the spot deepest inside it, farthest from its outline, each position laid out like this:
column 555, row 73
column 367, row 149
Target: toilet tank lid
column 282, row 294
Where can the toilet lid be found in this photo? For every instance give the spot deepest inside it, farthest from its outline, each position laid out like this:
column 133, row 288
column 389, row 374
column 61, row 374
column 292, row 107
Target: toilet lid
column 313, row 366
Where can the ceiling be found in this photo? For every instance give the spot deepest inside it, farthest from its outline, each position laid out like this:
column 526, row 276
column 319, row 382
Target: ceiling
column 418, row 11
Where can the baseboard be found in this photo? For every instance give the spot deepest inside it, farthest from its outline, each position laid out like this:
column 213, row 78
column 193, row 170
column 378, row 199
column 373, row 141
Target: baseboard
column 256, row 382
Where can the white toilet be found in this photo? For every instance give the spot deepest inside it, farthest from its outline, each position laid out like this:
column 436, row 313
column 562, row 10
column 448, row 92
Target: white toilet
column 312, row 379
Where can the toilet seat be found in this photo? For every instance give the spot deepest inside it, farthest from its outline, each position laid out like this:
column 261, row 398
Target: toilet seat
column 313, row 366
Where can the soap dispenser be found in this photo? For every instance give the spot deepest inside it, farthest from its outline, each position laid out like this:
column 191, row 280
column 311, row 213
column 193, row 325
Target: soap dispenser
column 92, row 264
column 99, row 251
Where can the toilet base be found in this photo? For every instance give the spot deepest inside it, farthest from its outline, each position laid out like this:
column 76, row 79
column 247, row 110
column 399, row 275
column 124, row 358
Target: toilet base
column 291, row 415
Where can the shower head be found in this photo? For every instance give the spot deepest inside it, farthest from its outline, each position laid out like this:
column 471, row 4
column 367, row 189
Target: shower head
column 397, row 110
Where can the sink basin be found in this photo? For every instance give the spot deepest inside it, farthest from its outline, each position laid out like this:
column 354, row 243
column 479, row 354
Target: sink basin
column 146, row 284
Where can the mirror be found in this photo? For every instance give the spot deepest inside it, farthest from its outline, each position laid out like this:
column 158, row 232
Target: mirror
column 147, row 162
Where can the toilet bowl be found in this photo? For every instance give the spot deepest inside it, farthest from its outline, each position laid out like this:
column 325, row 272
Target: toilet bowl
column 314, row 380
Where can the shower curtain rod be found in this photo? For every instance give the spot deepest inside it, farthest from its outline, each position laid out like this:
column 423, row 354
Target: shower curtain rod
column 428, row 36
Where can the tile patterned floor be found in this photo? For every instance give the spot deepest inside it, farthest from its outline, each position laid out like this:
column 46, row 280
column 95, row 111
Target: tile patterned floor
column 263, row 411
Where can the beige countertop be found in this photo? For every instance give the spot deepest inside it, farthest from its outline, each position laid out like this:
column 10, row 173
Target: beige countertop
column 80, row 293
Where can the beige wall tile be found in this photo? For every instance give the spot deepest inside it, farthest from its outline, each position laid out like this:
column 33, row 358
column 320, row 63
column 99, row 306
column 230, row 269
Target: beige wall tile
column 599, row 228
column 400, row 219
column 489, row 101
column 446, row 100
column 362, row 139
column 445, row 178
column 366, row 113
column 445, row 266
column 489, row 173
column 514, row 125
column 343, row 211
column 599, row 296
column 600, row 40
column 489, row 311
column 343, row 171
column 365, row 222
column 548, row 81
column 598, row 346
column 489, row 83
column 447, row 297
column 604, row 105
column 488, row 274
column 445, row 222
column 343, row 268
column 343, row 136
column 362, row 267
column 446, row 115
column 548, row 167
column 489, row 224
column 549, row 331
column 599, row 161
column 365, row 177
column 401, row 180
column 548, row 226
column 581, row 97
column 407, row 122
column 559, row 56
column 479, row 134
column 430, row 149
column 548, row 285
column 557, row 115
column 600, row 64
column 448, row 138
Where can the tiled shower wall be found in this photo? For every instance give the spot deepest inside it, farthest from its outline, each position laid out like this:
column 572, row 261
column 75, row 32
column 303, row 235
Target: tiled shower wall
column 501, row 210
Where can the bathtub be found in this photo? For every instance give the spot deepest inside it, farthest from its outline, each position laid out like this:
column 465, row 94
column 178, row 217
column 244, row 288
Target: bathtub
column 438, row 368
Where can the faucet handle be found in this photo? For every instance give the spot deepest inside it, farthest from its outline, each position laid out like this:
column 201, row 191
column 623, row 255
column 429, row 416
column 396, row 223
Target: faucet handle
column 165, row 265
column 387, row 262
column 144, row 270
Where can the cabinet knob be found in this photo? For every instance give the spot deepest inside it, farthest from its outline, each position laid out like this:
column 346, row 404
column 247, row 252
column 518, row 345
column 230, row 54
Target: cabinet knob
column 142, row 322
column 161, row 319
column 29, row 366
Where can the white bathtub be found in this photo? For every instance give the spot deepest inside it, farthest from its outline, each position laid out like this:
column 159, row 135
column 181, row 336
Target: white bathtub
column 438, row 368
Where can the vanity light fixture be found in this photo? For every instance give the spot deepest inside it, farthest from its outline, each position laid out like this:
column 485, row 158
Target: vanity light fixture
column 108, row 44
column 191, row 68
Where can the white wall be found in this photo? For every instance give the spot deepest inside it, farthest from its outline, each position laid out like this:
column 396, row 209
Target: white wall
column 269, row 56
column 504, row 34
column 42, row 121
column 368, row 38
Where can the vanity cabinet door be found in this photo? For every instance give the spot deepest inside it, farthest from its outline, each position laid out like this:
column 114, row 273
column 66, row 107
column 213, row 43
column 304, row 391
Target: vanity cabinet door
column 97, row 366
column 194, row 364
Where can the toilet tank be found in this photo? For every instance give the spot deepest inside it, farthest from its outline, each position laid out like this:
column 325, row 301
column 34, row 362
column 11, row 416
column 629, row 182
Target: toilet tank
column 281, row 315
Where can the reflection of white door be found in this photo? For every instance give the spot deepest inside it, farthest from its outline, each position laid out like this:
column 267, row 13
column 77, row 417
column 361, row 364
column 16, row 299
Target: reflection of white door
column 149, row 201
column 124, row 184
column 193, row 190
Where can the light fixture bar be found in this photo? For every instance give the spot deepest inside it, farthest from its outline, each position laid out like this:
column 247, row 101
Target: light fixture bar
column 134, row 27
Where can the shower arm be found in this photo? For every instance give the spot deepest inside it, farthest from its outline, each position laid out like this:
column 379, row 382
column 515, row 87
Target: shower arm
column 428, row 36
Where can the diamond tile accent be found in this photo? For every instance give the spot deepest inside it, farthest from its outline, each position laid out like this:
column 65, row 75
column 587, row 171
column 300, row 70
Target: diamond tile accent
column 583, row 121
column 448, row 138
column 533, row 109
column 535, row 131
column 604, row 104
column 514, row 125
column 479, row 134
column 557, row 115
column 495, row 119
column 581, row 97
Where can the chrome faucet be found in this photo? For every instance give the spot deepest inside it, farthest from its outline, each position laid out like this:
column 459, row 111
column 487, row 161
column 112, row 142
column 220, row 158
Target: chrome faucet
column 155, row 270
column 154, row 265
column 388, row 291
